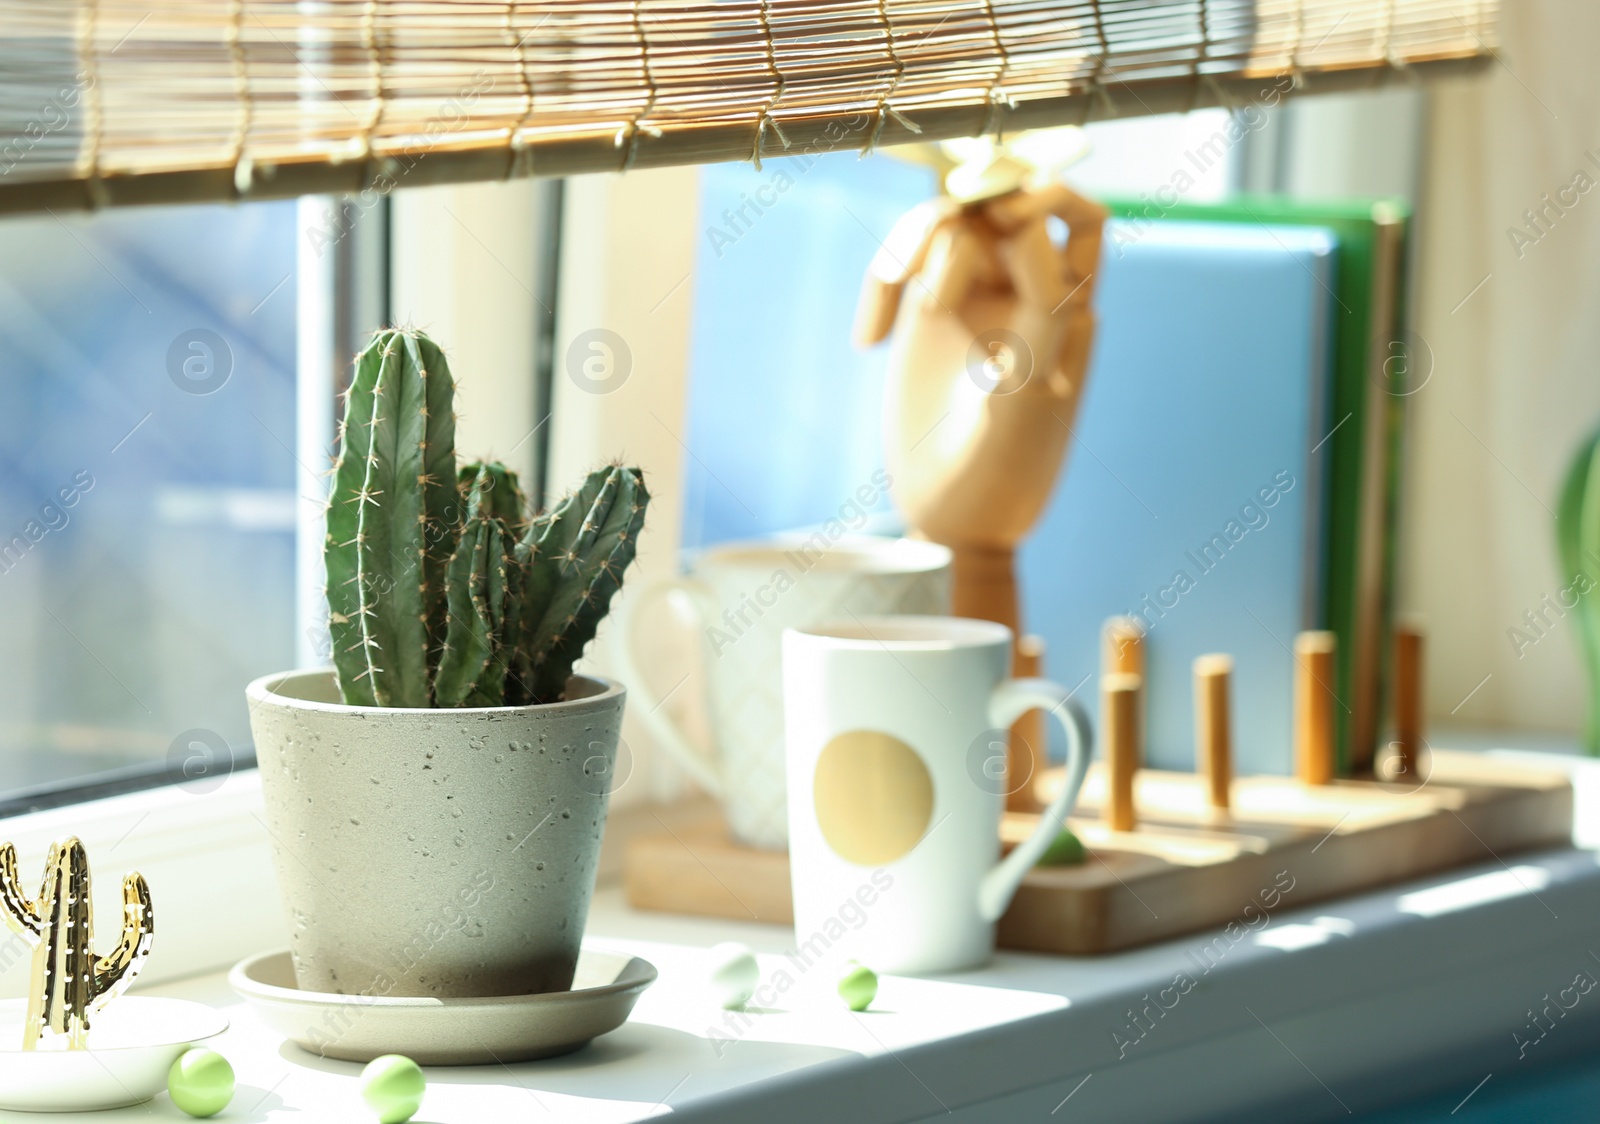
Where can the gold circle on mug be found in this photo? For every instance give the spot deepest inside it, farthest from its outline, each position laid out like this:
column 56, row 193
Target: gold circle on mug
column 873, row 797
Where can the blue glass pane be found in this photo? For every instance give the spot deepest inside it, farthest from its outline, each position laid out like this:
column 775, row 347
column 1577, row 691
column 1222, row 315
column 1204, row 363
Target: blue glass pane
column 147, row 503
column 785, row 414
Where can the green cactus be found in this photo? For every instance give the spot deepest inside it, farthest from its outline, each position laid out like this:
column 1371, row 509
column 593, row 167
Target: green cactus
column 575, row 557
column 442, row 591
column 1578, row 542
column 469, row 637
column 392, row 521
column 499, row 490
column 68, row 982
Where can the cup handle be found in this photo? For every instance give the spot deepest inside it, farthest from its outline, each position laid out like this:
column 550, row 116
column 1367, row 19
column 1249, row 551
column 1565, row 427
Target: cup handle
column 699, row 764
column 1010, row 701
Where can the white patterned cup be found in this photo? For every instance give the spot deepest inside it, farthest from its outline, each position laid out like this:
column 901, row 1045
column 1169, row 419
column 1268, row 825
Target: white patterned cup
column 743, row 595
column 896, row 751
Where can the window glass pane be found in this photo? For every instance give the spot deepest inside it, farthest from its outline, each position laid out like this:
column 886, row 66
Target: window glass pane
column 147, row 476
column 1187, row 157
column 784, row 412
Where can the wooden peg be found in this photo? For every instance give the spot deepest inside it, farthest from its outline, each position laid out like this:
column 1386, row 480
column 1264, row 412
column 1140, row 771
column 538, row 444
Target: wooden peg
column 1313, row 707
column 1123, row 651
column 1408, row 721
column 1122, row 654
column 1213, row 727
column 1119, row 721
column 1028, row 756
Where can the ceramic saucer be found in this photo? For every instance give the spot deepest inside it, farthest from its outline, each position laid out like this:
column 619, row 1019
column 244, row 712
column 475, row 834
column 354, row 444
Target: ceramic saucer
column 432, row 1031
column 132, row 1044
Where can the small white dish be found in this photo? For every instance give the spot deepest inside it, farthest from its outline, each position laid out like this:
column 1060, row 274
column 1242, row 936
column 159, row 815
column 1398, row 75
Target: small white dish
column 132, row 1045
column 431, row 1031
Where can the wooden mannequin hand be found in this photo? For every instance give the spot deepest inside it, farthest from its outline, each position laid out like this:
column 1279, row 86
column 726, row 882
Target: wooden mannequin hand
column 994, row 327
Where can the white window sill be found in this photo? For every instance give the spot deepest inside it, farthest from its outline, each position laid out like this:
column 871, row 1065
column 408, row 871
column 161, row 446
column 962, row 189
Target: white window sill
column 1345, row 1004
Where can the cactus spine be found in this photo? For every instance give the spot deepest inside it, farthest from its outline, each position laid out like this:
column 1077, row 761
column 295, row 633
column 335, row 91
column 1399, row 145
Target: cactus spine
column 68, row 981
column 1578, row 542
column 442, row 590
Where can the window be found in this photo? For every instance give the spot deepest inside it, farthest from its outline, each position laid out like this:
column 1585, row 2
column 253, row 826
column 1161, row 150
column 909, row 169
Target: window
column 149, row 487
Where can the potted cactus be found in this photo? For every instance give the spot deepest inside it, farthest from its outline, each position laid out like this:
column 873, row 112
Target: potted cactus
column 436, row 799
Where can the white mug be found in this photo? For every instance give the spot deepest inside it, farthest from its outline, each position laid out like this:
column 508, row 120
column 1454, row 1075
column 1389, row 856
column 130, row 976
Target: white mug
column 897, row 733
column 743, row 595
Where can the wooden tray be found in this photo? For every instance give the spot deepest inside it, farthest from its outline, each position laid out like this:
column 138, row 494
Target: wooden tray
column 1186, row 867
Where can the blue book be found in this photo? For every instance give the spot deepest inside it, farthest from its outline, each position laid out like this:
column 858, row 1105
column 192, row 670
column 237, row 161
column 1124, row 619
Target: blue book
column 1193, row 497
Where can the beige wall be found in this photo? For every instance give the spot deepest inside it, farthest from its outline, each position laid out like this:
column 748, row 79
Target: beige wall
column 628, row 247
column 1516, row 368
column 463, row 270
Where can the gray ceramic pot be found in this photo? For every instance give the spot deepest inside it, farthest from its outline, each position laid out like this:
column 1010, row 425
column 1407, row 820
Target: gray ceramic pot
column 447, row 853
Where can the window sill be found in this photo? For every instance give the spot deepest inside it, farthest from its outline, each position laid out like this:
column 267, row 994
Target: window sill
column 1341, row 1005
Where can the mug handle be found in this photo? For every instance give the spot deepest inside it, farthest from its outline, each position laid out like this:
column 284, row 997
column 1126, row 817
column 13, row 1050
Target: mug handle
column 699, row 764
column 1010, row 701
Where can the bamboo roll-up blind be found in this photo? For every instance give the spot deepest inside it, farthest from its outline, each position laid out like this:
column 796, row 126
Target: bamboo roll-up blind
column 141, row 101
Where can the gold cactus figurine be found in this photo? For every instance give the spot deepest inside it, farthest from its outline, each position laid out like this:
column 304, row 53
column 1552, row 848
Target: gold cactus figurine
column 68, row 982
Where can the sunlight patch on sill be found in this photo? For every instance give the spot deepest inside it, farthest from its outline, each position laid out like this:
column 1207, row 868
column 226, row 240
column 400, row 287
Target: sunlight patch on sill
column 1468, row 893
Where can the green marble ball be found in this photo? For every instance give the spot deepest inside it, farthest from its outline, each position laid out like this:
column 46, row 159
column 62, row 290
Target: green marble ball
column 1065, row 849
column 733, row 975
column 858, row 987
column 200, row 1082
column 393, row 1086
